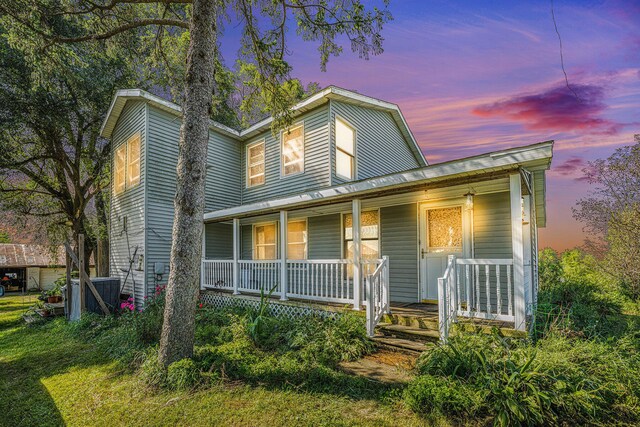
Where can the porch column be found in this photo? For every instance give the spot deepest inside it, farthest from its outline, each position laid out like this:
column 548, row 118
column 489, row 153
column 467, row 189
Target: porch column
column 236, row 256
column 356, row 206
column 518, row 252
column 284, row 221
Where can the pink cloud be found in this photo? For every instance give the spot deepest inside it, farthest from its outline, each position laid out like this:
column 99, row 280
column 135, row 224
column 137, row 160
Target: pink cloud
column 570, row 166
column 556, row 109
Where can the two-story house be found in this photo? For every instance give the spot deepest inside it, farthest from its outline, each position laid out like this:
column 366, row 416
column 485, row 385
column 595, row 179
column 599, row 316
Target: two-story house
column 341, row 207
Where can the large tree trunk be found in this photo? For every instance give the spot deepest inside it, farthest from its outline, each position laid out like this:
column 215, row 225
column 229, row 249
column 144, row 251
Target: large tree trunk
column 182, row 289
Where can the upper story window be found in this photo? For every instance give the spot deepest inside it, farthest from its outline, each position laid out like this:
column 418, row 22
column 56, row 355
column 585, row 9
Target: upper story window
column 255, row 164
column 297, row 239
column 127, row 164
column 120, row 164
column 345, row 150
column 133, row 161
column 264, row 241
column 293, row 151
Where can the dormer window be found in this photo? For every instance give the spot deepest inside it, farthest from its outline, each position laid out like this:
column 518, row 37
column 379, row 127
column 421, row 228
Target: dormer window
column 345, row 150
column 293, row 151
column 255, row 164
column 127, row 164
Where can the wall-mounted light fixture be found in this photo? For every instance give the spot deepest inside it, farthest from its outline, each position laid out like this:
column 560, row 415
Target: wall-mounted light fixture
column 140, row 263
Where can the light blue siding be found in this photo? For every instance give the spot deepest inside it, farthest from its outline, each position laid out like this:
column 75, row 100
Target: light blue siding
column 399, row 241
column 492, row 237
column 380, row 146
column 246, row 240
column 325, row 241
column 219, row 241
column 492, row 226
column 316, row 167
column 149, row 206
column 128, row 207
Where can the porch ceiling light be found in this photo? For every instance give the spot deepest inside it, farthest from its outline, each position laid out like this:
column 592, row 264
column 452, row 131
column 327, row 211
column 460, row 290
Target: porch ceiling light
column 469, row 202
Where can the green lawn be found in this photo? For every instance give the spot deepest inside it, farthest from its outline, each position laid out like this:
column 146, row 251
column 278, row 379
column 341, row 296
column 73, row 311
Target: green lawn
column 46, row 378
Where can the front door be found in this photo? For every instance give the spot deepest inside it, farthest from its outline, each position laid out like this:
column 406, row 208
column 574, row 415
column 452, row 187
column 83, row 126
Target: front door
column 442, row 233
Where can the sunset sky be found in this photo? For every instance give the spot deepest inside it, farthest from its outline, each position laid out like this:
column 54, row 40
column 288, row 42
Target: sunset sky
column 478, row 76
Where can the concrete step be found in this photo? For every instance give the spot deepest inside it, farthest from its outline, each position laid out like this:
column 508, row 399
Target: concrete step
column 412, row 320
column 408, row 332
column 470, row 325
column 401, row 345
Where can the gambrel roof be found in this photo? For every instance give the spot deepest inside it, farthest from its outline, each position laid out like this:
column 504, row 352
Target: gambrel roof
column 320, row 98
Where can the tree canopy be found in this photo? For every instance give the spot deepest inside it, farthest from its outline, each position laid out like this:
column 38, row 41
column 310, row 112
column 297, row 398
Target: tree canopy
column 611, row 214
column 57, row 26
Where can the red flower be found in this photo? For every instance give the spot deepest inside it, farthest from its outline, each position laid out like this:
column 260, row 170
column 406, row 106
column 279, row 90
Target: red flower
column 200, row 305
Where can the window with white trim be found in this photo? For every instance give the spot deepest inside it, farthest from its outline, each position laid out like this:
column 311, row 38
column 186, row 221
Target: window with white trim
column 133, row 161
column 119, row 169
column 297, row 239
column 293, row 150
column 126, row 165
column 345, row 150
column 265, row 241
column 255, row 164
column 369, row 238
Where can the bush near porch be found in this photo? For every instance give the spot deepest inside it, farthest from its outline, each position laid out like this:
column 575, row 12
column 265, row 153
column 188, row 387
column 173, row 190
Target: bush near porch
column 100, row 371
column 252, row 370
column 581, row 366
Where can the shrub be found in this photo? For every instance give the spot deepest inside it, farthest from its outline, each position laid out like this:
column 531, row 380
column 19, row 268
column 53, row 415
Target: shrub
column 183, row 375
column 331, row 340
column 558, row 380
column 575, row 298
column 440, row 395
column 151, row 370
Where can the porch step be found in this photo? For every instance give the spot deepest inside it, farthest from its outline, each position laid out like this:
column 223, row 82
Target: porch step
column 401, row 345
column 412, row 320
column 409, row 333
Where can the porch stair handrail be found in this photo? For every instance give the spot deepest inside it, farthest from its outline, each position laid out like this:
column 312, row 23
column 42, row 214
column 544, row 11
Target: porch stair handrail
column 476, row 288
column 447, row 299
column 377, row 295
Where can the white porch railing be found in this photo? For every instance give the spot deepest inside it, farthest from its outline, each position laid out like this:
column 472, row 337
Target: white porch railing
column 217, row 274
column 377, row 295
column 259, row 275
column 478, row 288
column 326, row 280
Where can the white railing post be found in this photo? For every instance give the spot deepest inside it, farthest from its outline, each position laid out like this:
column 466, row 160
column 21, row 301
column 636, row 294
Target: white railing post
column 370, row 306
column 385, row 288
column 236, row 256
column 453, row 288
column 443, row 325
column 356, row 206
column 518, row 251
column 284, row 221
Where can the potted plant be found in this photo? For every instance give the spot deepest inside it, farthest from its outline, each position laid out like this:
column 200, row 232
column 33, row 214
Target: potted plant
column 54, row 294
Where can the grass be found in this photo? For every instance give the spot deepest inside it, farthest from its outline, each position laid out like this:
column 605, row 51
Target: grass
column 49, row 378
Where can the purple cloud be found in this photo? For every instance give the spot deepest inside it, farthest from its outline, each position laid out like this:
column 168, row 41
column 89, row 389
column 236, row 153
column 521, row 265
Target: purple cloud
column 556, row 109
column 571, row 166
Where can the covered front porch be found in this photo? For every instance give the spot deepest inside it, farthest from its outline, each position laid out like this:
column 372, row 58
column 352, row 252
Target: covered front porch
column 462, row 240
